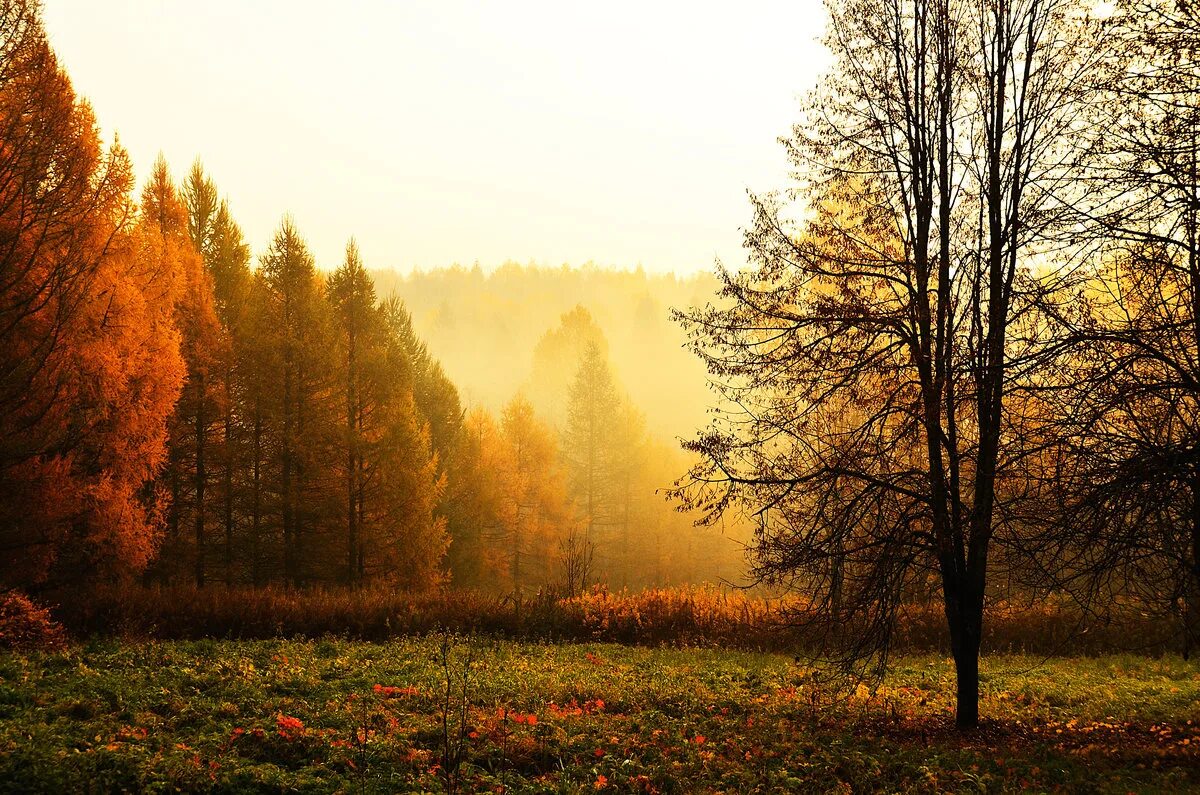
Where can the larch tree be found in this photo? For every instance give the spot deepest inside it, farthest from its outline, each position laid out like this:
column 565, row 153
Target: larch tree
column 556, row 357
column 411, row 537
column 358, row 322
column 258, row 356
column 391, row 480
column 592, row 407
column 542, row 518
column 478, row 508
column 630, row 485
column 300, row 313
column 436, row 396
column 163, row 212
column 90, row 367
column 226, row 258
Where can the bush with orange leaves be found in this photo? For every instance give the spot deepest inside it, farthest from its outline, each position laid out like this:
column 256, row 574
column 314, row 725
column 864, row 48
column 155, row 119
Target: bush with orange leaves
column 25, row 625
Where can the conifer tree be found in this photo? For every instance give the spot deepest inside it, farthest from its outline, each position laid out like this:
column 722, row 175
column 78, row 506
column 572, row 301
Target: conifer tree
column 90, row 367
column 478, row 505
column 592, row 407
column 436, row 396
column 226, row 258
column 297, row 307
column 541, row 518
column 163, row 212
column 357, row 321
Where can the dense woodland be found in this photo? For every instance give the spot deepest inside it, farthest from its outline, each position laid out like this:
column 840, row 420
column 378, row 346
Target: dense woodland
column 967, row 369
column 181, row 408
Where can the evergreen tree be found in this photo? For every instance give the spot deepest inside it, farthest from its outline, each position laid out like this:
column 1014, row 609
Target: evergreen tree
column 556, row 358
column 592, row 407
column 226, row 258
column 542, row 517
column 478, row 504
column 436, row 396
column 300, row 312
column 163, row 212
column 353, row 297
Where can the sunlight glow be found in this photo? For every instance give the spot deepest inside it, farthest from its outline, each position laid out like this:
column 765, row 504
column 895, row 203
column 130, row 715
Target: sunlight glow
column 441, row 132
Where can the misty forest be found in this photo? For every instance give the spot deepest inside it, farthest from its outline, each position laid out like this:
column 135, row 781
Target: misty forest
column 906, row 501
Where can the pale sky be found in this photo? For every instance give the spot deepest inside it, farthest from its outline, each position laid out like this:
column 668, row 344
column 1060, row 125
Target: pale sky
column 446, row 131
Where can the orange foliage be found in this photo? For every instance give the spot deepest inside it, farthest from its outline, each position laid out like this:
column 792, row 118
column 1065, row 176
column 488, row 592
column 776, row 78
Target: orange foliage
column 90, row 368
column 25, row 625
column 289, row 728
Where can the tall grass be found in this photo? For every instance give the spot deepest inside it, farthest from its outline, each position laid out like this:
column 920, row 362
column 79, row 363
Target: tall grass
column 677, row 616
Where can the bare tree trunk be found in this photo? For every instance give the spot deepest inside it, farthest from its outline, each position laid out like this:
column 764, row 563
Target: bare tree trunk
column 227, row 476
column 256, row 497
column 200, row 478
column 352, row 443
column 287, row 463
column 966, row 670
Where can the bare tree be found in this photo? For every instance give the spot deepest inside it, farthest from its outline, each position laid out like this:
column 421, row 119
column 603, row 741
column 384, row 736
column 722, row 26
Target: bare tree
column 866, row 359
column 1128, row 475
column 575, row 554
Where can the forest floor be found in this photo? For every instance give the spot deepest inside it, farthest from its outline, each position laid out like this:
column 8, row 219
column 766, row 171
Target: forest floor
column 334, row 715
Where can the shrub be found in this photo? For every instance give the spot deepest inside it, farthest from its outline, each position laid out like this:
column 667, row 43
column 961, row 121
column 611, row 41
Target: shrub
column 25, row 625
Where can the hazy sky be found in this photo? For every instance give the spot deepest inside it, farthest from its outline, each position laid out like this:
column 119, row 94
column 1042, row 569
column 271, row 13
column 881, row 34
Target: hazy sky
column 444, row 131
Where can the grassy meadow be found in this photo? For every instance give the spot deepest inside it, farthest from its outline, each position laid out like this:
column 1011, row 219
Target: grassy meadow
column 454, row 713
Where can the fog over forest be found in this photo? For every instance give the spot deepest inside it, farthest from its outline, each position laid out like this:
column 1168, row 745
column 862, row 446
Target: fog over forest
column 505, row 330
column 524, row 329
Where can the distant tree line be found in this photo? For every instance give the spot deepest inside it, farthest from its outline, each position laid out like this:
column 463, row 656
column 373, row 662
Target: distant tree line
column 485, row 322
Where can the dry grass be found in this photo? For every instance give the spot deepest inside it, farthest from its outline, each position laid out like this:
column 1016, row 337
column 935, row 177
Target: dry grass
column 700, row 616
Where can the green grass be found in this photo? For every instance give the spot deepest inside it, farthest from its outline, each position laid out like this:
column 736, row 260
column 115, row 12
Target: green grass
column 215, row 715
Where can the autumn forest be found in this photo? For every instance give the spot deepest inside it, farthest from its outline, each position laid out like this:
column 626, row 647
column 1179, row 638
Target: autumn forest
column 256, row 419
column 908, row 500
